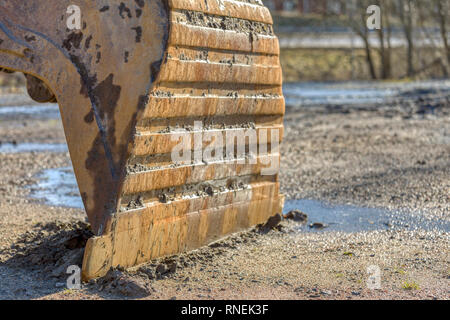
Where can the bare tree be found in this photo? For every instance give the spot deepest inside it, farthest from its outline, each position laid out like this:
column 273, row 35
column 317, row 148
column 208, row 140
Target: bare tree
column 427, row 15
column 443, row 9
column 406, row 12
column 357, row 22
column 384, row 35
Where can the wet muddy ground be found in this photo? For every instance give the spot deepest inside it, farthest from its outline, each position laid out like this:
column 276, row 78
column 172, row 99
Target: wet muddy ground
column 372, row 178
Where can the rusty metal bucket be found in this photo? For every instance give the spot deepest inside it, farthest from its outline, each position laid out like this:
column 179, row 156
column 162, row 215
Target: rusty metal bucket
column 136, row 80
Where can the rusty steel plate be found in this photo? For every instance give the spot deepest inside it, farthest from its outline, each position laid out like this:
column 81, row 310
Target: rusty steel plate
column 135, row 80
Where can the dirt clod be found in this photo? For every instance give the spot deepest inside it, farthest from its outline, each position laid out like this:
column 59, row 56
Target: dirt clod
column 119, row 282
column 317, row 225
column 272, row 223
column 49, row 248
column 296, row 215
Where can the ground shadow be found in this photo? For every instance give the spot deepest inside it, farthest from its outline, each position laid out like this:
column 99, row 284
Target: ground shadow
column 42, row 256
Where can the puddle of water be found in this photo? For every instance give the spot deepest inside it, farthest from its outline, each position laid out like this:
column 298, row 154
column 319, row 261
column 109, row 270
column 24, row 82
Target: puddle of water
column 44, row 111
column 347, row 218
column 57, row 187
column 32, row 147
column 351, row 93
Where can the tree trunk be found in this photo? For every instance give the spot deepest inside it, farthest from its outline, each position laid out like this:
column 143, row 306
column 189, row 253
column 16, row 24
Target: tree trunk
column 442, row 13
column 300, row 6
column 369, row 59
column 384, row 35
column 278, row 5
column 410, row 56
column 406, row 14
column 357, row 22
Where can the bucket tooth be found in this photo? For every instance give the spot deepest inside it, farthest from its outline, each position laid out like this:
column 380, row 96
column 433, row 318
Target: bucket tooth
column 135, row 79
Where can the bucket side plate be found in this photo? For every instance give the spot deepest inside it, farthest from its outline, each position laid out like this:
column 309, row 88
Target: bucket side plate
column 221, row 69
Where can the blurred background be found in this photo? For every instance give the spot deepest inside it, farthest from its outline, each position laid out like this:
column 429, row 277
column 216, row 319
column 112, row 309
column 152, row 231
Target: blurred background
column 327, row 40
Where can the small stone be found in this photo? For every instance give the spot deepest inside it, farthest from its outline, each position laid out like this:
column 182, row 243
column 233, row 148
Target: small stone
column 172, row 267
column 161, row 269
column 317, row 225
column 163, row 198
column 272, row 223
column 296, row 215
column 209, row 191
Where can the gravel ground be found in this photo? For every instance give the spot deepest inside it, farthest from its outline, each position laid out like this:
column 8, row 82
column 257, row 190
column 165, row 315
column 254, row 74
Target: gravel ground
column 394, row 158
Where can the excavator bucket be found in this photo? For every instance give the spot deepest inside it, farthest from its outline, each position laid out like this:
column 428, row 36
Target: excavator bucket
column 172, row 111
